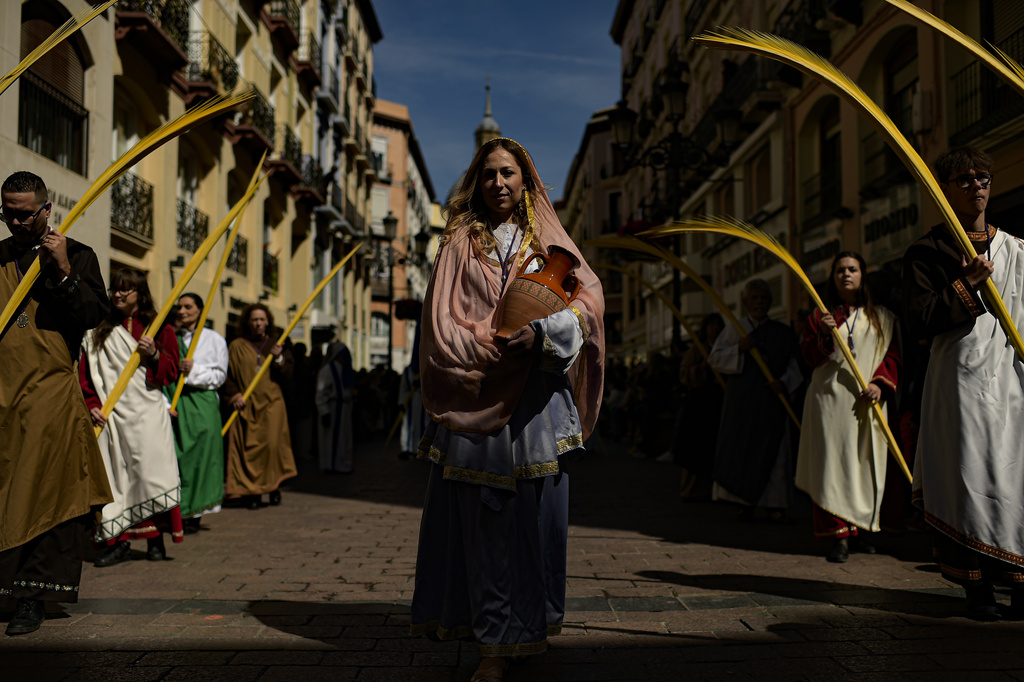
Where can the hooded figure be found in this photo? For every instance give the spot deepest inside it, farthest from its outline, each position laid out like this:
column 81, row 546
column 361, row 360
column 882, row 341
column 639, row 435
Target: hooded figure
column 335, row 388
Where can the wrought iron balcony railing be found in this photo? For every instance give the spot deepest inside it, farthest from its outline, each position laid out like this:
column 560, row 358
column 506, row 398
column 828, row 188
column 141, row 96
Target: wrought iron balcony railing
column 286, row 9
column 193, row 226
column 209, row 62
column 259, row 114
column 238, row 261
column 271, row 267
column 312, row 175
column 287, row 146
column 981, row 99
column 169, row 15
column 131, row 206
column 309, row 51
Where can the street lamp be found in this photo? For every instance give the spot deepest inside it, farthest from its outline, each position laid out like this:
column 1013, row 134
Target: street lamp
column 671, row 154
column 390, row 223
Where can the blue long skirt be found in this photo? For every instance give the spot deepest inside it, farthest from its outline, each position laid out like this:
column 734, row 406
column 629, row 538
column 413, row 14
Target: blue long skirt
column 491, row 563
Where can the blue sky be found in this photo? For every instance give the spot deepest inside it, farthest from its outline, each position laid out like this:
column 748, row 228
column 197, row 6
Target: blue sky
column 551, row 65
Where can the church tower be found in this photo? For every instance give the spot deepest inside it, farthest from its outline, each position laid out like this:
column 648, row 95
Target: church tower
column 488, row 128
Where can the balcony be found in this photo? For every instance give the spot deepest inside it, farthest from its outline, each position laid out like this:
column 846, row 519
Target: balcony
column 798, row 23
column 341, row 26
column 312, row 186
column 158, row 29
column 271, row 270
column 287, row 157
column 282, row 18
column 309, row 64
column 193, row 226
column 253, row 125
column 131, row 210
column 350, row 57
column 361, row 76
column 354, row 218
column 982, row 101
column 238, row 261
column 329, row 97
column 333, row 210
column 211, row 70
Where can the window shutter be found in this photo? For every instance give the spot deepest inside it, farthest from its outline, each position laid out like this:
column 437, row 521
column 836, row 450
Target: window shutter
column 61, row 66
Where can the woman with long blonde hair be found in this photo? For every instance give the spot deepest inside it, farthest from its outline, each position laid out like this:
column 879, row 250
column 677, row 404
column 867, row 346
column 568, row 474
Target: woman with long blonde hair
column 493, row 537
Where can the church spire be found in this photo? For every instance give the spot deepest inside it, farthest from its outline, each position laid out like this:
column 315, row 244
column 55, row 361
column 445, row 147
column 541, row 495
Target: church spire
column 488, row 128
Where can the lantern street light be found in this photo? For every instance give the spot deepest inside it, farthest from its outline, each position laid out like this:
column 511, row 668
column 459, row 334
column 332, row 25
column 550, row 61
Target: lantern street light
column 672, row 154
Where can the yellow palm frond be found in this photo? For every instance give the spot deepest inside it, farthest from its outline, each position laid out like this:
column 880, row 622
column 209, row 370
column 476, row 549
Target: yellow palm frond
column 814, row 65
column 694, row 337
column 634, row 244
column 742, row 230
column 288, row 330
column 186, row 276
column 70, row 26
column 214, row 107
column 215, row 282
column 1008, row 68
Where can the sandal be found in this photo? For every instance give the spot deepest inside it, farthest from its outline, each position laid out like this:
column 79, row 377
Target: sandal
column 490, row 670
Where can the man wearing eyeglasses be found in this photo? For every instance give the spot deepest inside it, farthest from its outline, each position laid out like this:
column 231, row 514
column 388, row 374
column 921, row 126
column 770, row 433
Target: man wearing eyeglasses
column 51, row 473
column 968, row 469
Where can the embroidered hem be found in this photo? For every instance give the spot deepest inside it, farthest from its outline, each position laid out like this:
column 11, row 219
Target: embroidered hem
column 36, row 585
column 138, row 513
column 972, row 543
column 968, row 300
column 428, row 451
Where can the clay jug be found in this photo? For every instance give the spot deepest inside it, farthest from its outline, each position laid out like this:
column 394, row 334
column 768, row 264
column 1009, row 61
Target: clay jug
column 539, row 294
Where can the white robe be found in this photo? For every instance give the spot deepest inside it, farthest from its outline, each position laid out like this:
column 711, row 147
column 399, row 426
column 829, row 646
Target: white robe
column 843, row 451
column 969, row 469
column 137, row 442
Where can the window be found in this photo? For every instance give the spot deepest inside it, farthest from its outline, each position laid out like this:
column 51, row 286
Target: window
column 52, row 120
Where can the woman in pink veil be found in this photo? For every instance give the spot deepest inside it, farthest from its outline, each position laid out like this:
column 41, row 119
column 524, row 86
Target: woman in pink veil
column 492, row 549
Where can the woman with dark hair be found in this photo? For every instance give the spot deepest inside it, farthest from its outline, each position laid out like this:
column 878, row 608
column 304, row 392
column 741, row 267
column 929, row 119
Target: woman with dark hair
column 137, row 441
column 694, row 449
column 843, row 451
column 259, row 450
column 335, row 390
column 492, row 551
column 197, row 421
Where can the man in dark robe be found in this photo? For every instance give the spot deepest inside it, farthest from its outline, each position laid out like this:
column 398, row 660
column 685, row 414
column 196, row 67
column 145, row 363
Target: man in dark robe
column 753, row 460
column 968, row 474
column 52, row 478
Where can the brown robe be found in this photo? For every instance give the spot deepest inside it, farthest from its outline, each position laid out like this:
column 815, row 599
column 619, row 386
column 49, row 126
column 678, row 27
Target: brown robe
column 259, row 451
column 51, row 470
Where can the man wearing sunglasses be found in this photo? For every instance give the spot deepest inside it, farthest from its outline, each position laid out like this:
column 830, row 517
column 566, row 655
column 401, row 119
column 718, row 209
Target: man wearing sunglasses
column 51, row 473
column 968, row 474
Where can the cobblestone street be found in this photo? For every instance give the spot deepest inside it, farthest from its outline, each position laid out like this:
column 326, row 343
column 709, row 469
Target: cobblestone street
column 319, row 589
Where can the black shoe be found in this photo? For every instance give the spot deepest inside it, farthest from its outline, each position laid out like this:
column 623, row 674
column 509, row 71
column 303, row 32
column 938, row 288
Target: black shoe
column 120, row 551
column 156, row 551
column 191, row 526
column 862, row 546
column 839, row 554
column 981, row 603
column 746, row 515
column 275, row 497
column 27, row 618
column 252, row 502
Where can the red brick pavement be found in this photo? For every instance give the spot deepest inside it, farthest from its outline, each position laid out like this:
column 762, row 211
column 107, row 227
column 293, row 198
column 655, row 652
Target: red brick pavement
column 318, row 589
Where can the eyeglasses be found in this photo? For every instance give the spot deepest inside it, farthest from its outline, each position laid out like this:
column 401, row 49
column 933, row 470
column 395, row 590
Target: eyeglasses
column 965, row 181
column 26, row 218
column 122, row 292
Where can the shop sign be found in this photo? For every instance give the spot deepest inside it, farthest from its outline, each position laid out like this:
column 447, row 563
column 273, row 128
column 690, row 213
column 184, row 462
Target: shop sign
column 890, row 224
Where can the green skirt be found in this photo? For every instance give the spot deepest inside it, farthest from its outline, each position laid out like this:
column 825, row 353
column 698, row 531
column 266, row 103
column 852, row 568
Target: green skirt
column 200, row 449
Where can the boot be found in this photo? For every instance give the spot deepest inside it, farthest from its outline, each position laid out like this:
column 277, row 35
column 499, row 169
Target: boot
column 27, row 617
column 156, row 551
column 115, row 554
column 981, row 603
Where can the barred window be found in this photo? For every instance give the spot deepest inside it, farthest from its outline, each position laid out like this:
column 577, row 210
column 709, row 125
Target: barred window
column 52, row 120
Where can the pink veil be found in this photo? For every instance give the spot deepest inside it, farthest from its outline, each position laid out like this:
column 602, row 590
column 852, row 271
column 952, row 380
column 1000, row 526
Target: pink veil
column 468, row 383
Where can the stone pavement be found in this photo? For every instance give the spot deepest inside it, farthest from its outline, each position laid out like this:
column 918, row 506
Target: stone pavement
column 318, row 589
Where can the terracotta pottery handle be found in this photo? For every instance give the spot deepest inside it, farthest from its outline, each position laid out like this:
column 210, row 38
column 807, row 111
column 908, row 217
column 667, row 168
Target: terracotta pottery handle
column 522, row 268
column 575, row 290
